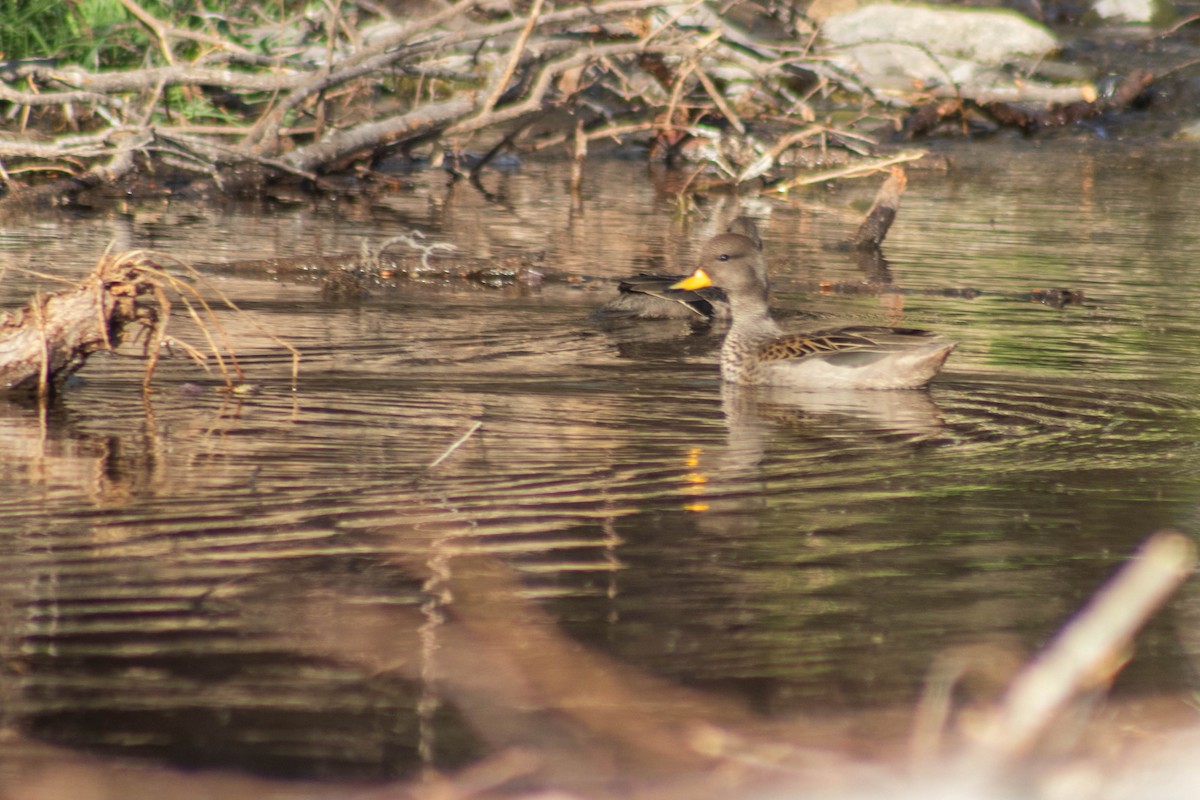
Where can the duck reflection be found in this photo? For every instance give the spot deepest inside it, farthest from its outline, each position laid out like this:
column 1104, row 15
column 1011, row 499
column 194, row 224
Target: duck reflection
column 755, row 414
column 730, row 483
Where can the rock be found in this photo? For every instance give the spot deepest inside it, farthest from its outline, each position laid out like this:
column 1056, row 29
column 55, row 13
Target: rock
column 1143, row 11
column 1190, row 132
column 901, row 47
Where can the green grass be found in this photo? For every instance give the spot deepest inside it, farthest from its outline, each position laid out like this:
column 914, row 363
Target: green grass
column 102, row 33
column 89, row 32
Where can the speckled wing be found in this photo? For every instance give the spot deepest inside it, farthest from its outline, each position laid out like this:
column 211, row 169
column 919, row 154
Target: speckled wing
column 857, row 339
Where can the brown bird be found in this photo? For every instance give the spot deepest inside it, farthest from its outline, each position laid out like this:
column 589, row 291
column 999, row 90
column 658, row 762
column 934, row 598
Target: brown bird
column 757, row 351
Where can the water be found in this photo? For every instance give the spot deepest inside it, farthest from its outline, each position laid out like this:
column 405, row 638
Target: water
column 276, row 582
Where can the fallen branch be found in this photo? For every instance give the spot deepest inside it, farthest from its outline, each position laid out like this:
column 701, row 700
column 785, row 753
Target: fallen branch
column 445, row 79
column 1035, row 113
column 120, row 163
column 1126, row 94
column 848, row 172
column 419, row 122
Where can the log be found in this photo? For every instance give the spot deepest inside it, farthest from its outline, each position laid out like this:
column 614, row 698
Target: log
column 879, row 219
column 47, row 341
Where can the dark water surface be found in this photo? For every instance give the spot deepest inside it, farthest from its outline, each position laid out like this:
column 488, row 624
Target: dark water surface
column 202, row 578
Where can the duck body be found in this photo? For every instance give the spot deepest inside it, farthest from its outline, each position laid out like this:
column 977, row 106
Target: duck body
column 757, row 351
column 863, row 357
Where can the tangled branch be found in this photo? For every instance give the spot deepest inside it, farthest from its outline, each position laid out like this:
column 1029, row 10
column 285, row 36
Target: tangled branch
column 361, row 89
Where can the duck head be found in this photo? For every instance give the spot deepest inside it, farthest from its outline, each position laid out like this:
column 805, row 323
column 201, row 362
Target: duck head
column 732, row 262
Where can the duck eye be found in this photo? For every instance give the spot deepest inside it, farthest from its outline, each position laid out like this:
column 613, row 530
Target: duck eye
column 723, row 257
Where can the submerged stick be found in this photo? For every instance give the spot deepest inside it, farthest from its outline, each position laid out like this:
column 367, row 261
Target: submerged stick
column 1087, row 648
column 39, row 315
column 461, row 440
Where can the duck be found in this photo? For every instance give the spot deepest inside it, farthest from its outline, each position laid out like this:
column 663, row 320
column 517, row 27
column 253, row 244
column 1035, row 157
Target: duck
column 757, row 351
column 651, row 296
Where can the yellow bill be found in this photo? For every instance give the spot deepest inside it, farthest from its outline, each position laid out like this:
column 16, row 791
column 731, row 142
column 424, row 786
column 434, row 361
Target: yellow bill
column 697, row 280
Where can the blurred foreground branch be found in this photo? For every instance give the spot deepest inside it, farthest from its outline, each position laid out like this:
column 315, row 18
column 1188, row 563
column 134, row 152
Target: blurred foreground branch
column 1090, row 650
column 561, row 719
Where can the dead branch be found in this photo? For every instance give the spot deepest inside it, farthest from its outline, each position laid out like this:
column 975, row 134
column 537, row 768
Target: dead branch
column 301, row 83
column 94, row 145
column 59, row 98
column 511, row 46
column 846, row 172
column 879, row 219
column 543, row 83
column 266, row 130
column 1126, row 93
column 415, row 123
column 1029, row 113
column 157, row 28
column 164, row 33
column 106, row 83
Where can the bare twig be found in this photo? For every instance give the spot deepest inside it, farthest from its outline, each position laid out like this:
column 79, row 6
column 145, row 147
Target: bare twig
column 544, row 79
column 514, row 59
column 719, row 101
column 164, row 33
column 781, row 146
column 186, row 289
column 11, row 95
column 459, row 443
column 1181, row 23
column 156, row 28
column 847, row 172
column 207, row 333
